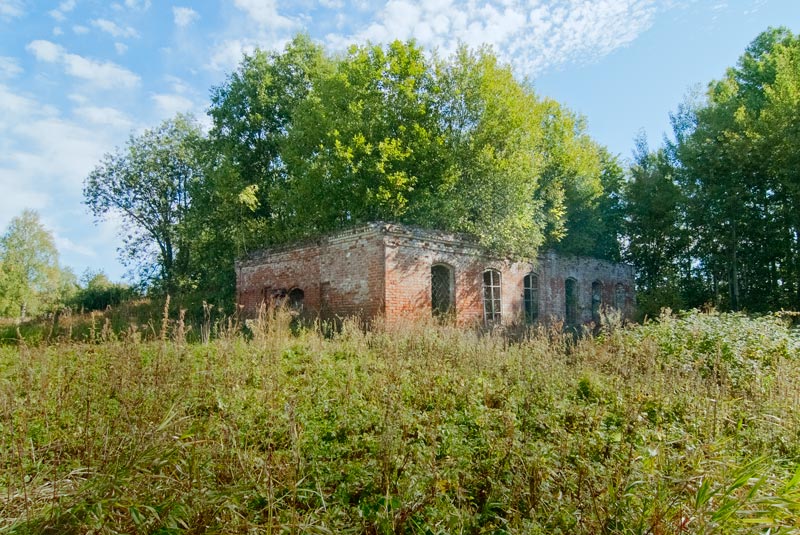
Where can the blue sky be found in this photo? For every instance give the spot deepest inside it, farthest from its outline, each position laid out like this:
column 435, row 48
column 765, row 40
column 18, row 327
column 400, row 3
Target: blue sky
column 78, row 77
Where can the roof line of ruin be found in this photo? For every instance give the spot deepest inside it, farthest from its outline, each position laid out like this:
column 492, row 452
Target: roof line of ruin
column 393, row 229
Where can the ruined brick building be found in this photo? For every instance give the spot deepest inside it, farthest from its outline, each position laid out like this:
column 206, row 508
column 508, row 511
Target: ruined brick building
column 397, row 271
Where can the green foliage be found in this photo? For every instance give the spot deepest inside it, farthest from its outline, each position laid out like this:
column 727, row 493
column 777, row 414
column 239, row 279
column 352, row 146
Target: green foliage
column 147, row 185
column 455, row 144
column 734, row 162
column 685, row 425
column 495, row 135
column 595, row 213
column 364, row 147
column 654, row 225
column 99, row 293
column 233, row 211
column 30, row 278
column 303, row 144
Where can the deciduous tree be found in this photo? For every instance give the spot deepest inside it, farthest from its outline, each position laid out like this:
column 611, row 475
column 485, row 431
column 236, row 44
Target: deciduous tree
column 29, row 272
column 147, row 185
column 737, row 159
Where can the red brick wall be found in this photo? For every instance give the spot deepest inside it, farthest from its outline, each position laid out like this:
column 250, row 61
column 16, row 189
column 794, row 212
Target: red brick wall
column 554, row 270
column 351, row 274
column 339, row 275
column 260, row 277
column 410, row 254
column 386, row 269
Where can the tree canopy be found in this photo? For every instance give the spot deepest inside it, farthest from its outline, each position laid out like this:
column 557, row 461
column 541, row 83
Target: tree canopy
column 304, row 143
column 729, row 187
column 30, row 277
column 147, row 184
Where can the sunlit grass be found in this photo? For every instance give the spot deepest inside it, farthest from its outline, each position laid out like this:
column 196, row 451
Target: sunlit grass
column 687, row 425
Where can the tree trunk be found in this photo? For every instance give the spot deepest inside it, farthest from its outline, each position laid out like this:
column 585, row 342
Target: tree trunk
column 734, row 284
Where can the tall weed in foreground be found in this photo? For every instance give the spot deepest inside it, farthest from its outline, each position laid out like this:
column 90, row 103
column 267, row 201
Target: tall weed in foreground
column 685, row 425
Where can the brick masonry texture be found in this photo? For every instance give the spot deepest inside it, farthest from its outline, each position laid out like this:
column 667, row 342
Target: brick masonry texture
column 384, row 269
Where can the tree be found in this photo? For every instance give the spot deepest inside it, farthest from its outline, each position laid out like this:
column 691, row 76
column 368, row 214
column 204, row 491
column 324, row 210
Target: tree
column 147, row 184
column 29, row 272
column 494, row 135
column 594, row 214
column 233, row 210
column 97, row 292
column 657, row 240
column 737, row 153
column 390, row 135
column 358, row 149
column 304, row 144
column 727, row 219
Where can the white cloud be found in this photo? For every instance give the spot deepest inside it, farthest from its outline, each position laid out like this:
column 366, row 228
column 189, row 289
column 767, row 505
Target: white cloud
column 11, row 9
column 12, row 103
column 530, row 34
column 178, row 85
column 264, row 13
column 121, row 48
column 170, row 104
column 9, row 67
column 58, row 31
column 80, row 30
column 104, row 75
column 45, row 50
column 64, row 7
column 184, row 16
column 78, row 98
column 103, row 116
column 142, row 5
column 113, row 29
column 64, row 244
column 229, row 53
column 101, row 74
column 44, row 159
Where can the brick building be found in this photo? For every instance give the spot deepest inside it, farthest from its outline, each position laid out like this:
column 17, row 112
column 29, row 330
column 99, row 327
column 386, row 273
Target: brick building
column 397, row 271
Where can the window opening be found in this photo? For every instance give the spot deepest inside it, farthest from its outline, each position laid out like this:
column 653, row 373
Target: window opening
column 442, row 290
column 296, row 297
column 571, row 301
column 597, row 301
column 492, row 305
column 530, row 297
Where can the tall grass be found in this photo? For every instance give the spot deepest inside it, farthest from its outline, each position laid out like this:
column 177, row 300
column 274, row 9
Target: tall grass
column 685, row 425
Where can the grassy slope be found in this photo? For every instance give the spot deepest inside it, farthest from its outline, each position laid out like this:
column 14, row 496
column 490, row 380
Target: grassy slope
column 682, row 426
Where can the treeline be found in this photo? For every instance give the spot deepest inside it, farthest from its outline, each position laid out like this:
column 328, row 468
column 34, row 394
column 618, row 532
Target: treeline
column 303, row 143
column 32, row 281
column 713, row 215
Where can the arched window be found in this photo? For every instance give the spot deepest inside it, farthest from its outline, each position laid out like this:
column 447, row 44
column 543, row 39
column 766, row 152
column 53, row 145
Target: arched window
column 530, row 297
column 571, row 301
column 442, row 289
column 597, row 301
column 492, row 303
column 296, row 296
column 619, row 297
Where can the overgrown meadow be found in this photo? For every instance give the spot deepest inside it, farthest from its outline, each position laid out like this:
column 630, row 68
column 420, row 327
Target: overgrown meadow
column 688, row 424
